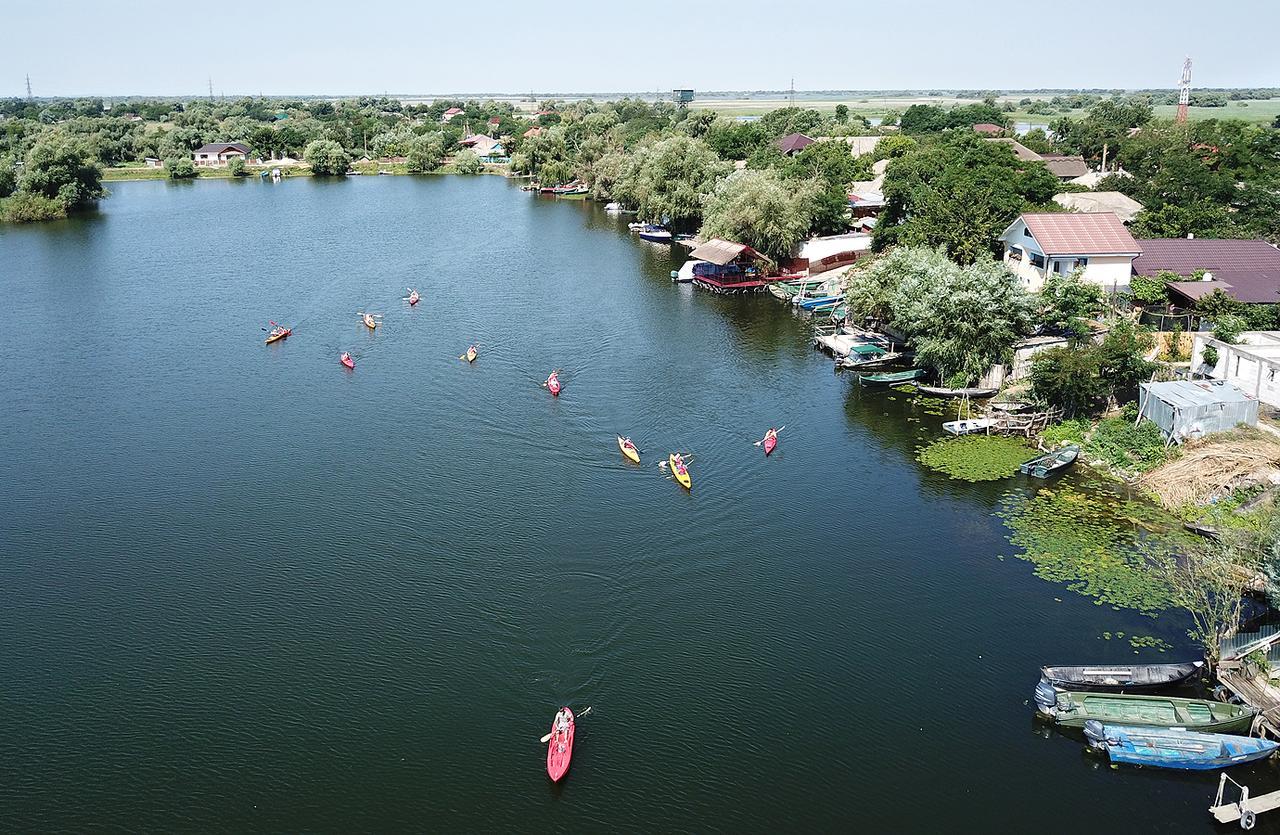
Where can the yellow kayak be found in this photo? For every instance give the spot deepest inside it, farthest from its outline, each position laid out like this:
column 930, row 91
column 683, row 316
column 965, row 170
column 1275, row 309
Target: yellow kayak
column 628, row 449
column 277, row 334
column 680, row 472
column 370, row 322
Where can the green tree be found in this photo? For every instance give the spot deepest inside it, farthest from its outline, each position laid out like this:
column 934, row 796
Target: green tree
column 960, row 319
column 8, row 175
column 670, row 180
column 466, row 162
column 1067, row 300
column 760, row 209
column 61, row 169
column 236, row 167
column 326, row 157
column 1152, row 289
column 1122, row 359
column 426, row 153
column 180, row 168
column 959, row 193
column 1204, row 220
column 1069, row 378
column 842, row 113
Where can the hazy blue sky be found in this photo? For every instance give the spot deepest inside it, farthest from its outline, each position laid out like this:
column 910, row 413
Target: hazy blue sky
column 284, row 46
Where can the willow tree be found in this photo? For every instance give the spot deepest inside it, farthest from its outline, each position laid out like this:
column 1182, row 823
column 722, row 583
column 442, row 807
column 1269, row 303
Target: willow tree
column 762, row 210
column 670, row 180
column 961, row 320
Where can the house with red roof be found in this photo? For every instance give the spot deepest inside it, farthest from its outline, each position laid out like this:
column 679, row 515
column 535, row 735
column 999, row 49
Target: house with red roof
column 988, row 129
column 1038, row 245
column 450, row 114
column 794, row 143
column 1246, row 270
column 532, row 132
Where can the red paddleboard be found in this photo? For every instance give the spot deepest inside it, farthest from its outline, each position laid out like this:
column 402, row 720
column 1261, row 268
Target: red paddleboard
column 560, row 749
column 553, row 384
column 770, row 443
column 346, row 360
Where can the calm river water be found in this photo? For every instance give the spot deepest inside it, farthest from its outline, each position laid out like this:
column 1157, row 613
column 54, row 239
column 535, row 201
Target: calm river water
column 244, row 589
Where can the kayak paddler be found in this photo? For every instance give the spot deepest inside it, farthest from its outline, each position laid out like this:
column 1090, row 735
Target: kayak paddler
column 562, row 721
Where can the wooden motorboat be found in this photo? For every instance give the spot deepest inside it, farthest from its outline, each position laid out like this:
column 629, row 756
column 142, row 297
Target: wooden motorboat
column 1169, row 748
column 1122, row 678
column 1044, row 465
column 1071, row 709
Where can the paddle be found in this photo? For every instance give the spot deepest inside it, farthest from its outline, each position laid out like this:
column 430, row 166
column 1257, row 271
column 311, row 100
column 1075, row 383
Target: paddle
column 762, row 440
column 576, row 717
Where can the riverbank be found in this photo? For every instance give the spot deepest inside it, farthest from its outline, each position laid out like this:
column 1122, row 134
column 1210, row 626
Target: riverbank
column 372, row 167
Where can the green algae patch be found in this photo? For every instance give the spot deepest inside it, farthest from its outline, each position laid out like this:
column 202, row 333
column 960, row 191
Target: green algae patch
column 1096, row 544
column 976, row 457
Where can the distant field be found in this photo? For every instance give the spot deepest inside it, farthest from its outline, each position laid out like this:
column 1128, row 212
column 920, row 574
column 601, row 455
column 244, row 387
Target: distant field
column 1251, row 111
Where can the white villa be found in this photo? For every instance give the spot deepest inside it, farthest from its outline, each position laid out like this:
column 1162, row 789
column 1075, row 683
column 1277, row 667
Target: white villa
column 218, row 154
column 1038, row 245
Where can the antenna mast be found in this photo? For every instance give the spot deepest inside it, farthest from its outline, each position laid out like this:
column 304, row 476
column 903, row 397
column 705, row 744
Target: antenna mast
column 29, row 96
column 210, row 88
column 1184, row 92
column 791, row 98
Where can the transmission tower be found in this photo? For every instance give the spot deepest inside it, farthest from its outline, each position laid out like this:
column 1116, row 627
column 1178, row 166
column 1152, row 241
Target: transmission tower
column 29, row 96
column 210, row 88
column 1184, row 92
column 791, row 96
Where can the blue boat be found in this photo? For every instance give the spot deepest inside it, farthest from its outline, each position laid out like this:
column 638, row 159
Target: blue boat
column 821, row 303
column 1175, row 748
column 656, row 234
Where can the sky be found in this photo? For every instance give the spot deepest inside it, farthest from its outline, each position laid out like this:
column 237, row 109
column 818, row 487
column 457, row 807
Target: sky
column 72, row 47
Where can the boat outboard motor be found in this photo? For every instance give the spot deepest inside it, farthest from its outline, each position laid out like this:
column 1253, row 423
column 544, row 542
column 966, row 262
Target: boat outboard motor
column 1095, row 734
column 1046, row 698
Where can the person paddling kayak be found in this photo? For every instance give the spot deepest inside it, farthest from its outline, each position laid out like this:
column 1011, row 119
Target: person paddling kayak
column 346, row 360
column 553, row 383
column 770, row 440
column 560, row 747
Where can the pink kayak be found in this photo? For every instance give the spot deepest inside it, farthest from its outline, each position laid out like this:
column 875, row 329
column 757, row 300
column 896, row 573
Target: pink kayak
column 769, row 443
column 553, row 384
column 346, row 360
column 560, row 749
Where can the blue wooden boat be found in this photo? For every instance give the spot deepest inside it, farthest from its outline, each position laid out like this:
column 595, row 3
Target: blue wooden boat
column 1173, row 748
column 821, row 303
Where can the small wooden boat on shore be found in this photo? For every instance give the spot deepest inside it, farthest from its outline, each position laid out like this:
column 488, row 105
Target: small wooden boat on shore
column 1045, row 465
column 967, row 427
column 1122, row 678
column 971, row 393
column 1169, row 748
column 1071, row 709
column 890, row 378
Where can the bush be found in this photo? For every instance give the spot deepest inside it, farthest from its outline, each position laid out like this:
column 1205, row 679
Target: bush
column 180, row 168
column 326, row 157
column 236, row 167
column 1227, row 328
column 25, row 207
column 1150, row 290
column 466, row 162
column 1069, row 378
column 1125, row 446
column 1209, row 356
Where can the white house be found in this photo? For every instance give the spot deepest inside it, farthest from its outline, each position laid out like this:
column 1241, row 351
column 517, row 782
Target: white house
column 218, row 154
column 1038, row 245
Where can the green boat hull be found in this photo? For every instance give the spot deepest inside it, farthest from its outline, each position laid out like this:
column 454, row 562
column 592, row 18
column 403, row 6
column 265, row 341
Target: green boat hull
column 1072, row 709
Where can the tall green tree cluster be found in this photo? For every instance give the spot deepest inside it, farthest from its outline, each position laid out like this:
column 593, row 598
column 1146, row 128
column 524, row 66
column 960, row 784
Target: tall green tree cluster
column 959, row 193
column 58, row 175
column 961, row 319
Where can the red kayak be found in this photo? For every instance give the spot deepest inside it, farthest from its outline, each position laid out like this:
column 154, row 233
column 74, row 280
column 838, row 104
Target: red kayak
column 553, row 385
column 560, row 749
column 769, row 443
column 346, row 360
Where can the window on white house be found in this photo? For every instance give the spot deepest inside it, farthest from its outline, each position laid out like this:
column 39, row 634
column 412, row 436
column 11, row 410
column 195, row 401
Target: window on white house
column 1037, row 260
column 1081, row 263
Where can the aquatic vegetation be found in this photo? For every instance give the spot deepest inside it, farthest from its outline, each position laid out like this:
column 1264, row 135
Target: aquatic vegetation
column 1095, row 543
column 976, row 457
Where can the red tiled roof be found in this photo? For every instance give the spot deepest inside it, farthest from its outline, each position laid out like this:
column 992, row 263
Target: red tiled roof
column 1248, row 271
column 533, row 132
column 1081, row 233
column 793, row 142
column 987, row 127
column 453, row 111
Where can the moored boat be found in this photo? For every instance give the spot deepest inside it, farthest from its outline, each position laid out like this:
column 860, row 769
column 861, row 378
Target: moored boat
column 967, row 427
column 629, row 449
column 656, row 234
column 891, row 377
column 1071, row 709
column 1117, row 678
column 560, row 747
column 1170, row 748
column 817, row 303
column 862, row 356
column 971, row 393
column 1044, row 465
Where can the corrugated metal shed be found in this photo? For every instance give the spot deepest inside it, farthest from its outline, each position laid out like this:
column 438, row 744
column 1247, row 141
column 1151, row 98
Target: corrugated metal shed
column 1186, row 409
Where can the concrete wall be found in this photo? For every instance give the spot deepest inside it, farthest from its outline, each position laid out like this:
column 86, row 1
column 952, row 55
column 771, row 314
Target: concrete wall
column 1253, row 367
